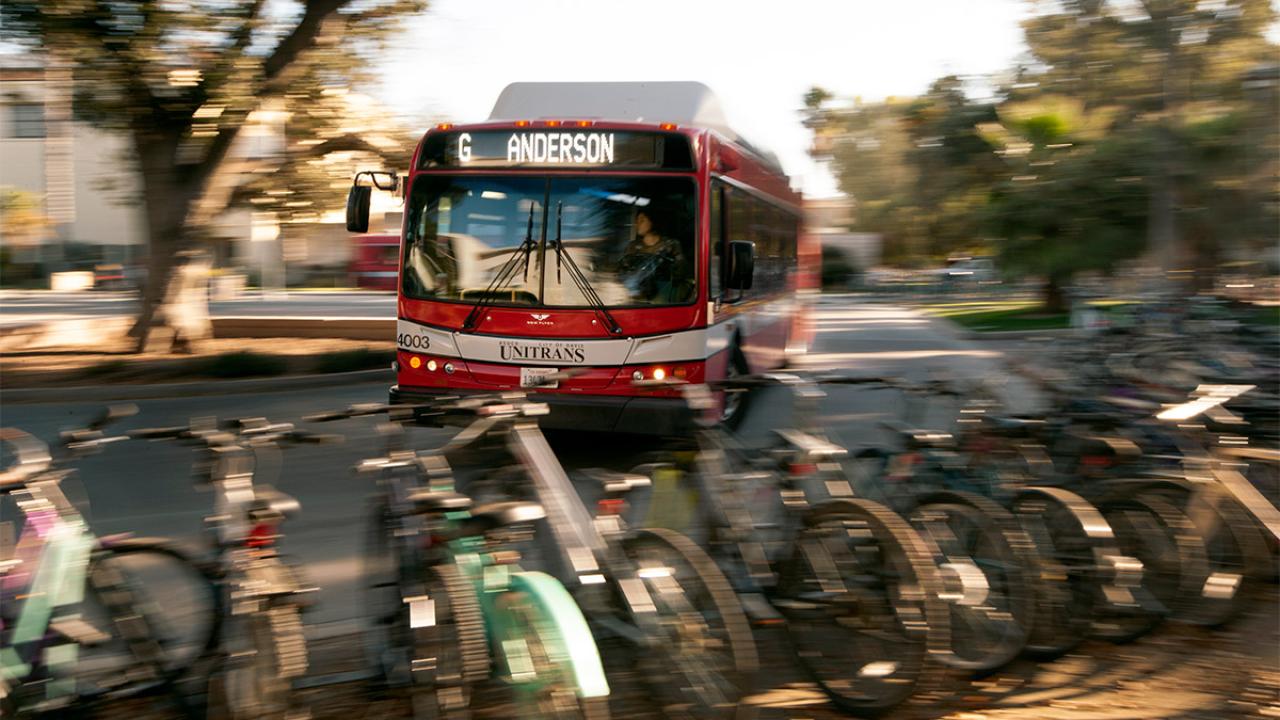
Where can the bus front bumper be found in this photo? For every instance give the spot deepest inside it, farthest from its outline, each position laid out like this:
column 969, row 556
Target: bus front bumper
column 603, row 413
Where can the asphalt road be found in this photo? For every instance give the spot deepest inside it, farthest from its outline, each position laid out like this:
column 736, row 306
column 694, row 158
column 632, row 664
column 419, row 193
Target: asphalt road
column 21, row 306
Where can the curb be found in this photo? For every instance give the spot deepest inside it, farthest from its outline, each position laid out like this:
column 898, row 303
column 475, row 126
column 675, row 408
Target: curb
column 191, row 389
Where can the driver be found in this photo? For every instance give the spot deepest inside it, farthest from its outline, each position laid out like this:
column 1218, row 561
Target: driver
column 652, row 265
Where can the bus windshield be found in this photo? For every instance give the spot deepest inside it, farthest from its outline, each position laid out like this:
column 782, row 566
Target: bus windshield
column 630, row 239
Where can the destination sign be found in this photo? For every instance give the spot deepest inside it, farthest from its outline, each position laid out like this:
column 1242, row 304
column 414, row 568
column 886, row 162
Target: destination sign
column 556, row 148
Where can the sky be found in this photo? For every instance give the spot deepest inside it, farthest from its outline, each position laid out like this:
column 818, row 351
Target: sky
column 759, row 57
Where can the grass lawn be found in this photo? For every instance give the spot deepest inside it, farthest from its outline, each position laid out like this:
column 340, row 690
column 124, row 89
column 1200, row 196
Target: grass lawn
column 1000, row 316
column 1268, row 315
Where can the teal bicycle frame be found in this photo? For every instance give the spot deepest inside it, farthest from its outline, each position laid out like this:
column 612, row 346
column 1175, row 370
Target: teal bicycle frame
column 55, row 592
column 565, row 636
column 570, row 643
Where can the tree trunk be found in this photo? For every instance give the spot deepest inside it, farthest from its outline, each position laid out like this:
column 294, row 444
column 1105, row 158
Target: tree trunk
column 1055, row 299
column 168, row 205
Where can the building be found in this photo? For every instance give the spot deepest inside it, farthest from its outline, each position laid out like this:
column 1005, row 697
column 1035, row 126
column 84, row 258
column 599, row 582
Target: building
column 80, row 184
column 830, row 219
column 71, row 170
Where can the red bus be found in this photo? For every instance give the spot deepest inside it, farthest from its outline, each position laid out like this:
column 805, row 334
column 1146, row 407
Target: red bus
column 620, row 228
column 375, row 261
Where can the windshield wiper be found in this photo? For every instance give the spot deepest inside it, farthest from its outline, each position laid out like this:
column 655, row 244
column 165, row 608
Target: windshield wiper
column 578, row 278
column 503, row 276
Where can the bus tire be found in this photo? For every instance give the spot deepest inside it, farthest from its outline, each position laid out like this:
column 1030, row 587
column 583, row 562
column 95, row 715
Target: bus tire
column 741, row 400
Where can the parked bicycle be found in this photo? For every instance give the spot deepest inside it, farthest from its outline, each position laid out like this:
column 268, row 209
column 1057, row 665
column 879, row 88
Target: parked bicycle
column 854, row 583
column 449, row 606
column 263, row 648
column 651, row 593
column 82, row 618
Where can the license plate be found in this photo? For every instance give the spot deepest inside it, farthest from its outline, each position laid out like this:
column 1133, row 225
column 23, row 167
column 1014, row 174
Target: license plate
column 530, row 375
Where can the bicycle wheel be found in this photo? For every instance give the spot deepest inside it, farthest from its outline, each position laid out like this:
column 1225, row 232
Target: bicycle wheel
column 454, row 641
column 386, row 639
column 986, row 565
column 267, row 654
column 1068, row 587
column 704, row 661
column 1236, row 551
column 860, row 594
column 159, row 616
column 547, row 656
column 1174, row 563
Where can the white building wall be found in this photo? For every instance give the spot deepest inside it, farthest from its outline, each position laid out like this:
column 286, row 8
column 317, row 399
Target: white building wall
column 108, row 209
column 22, row 163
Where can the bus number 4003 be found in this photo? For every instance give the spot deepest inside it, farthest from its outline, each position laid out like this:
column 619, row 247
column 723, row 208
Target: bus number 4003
column 413, row 342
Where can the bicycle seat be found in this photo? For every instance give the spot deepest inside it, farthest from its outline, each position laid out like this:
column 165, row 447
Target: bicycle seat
column 491, row 516
column 616, row 483
column 426, row 500
column 1015, row 426
column 1105, row 445
column 812, row 446
column 268, row 500
column 921, row 437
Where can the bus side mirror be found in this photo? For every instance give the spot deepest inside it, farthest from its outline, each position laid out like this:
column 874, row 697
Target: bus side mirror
column 358, row 208
column 742, row 264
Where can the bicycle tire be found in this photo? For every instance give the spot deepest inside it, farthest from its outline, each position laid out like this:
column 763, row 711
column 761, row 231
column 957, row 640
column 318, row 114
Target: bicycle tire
column 135, row 621
column 386, row 640
column 258, row 681
column 702, row 585
column 1236, row 550
column 456, row 643
column 888, row 584
column 992, row 616
column 1174, row 561
column 1068, row 588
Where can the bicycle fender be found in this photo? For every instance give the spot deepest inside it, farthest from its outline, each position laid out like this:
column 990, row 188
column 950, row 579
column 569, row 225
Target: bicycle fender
column 577, row 643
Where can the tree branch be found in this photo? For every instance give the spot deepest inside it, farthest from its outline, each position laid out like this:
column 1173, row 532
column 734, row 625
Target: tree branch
column 225, row 65
column 276, row 69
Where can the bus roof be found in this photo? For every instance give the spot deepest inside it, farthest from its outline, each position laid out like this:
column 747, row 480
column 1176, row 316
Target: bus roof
column 685, row 103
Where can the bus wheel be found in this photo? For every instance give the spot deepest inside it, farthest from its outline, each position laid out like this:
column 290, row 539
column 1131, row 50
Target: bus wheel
column 734, row 406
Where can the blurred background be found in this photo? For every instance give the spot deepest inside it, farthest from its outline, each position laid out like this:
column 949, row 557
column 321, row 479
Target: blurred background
column 998, row 145
column 982, row 175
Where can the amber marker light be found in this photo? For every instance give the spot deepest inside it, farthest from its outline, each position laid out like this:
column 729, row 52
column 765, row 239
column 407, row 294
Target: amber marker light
column 522, row 123
column 680, row 373
column 415, row 362
column 553, row 123
column 667, row 126
column 584, row 123
column 444, row 126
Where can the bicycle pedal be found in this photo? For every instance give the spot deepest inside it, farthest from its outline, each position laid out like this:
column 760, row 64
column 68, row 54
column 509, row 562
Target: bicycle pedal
column 759, row 611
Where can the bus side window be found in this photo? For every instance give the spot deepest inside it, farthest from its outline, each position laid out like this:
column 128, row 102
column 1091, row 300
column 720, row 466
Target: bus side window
column 716, row 240
column 738, row 226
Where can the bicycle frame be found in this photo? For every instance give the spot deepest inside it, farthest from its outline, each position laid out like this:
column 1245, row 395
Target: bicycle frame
column 585, row 548
column 489, row 579
column 56, row 588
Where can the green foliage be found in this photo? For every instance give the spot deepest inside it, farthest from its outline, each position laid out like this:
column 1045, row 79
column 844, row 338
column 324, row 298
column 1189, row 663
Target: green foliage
column 1132, row 127
column 183, row 80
